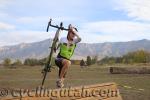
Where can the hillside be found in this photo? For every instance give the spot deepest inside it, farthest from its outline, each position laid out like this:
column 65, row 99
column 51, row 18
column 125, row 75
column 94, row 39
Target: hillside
column 41, row 49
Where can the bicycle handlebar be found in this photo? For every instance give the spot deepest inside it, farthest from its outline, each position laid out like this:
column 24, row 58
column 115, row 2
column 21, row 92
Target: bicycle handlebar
column 56, row 26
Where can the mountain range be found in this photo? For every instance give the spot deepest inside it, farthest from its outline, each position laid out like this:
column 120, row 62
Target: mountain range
column 41, row 49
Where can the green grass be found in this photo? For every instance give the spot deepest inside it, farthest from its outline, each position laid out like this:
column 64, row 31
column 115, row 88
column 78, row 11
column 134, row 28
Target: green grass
column 30, row 77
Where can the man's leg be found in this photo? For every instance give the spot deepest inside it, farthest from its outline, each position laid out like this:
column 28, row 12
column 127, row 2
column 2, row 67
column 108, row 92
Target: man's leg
column 66, row 63
column 63, row 67
column 58, row 62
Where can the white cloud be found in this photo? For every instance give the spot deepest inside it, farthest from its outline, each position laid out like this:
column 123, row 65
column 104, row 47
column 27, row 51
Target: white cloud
column 4, row 26
column 41, row 19
column 117, row 26
column 93, row 32
column 114, row 31
column 15, row 37
column 32, row 19
column 26, row 36
column 138, row 9
column 3, row 15
column 4, row 3
column 27, row 16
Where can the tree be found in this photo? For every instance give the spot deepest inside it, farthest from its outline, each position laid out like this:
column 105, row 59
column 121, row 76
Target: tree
column 139, row 56
column 42, row 61
column 31, row 62
column 89, row 60
column 104, row 60
column 111, row 60
column 118, row 60
column 82, row 63
column 17, row 62
column 7, row 62
column 94, row 60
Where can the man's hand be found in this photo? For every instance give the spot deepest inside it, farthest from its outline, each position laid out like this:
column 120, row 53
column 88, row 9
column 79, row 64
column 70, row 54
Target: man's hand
column 75, row 31
column 72, row 29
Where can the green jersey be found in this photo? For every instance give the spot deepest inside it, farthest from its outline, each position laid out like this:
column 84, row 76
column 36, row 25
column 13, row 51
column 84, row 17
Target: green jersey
column 67, row 48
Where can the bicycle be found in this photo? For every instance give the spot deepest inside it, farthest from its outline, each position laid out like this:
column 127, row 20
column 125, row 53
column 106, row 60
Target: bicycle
column 48, row 64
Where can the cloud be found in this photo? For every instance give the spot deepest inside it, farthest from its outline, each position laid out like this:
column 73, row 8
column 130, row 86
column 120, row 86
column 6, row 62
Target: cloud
column 92, row 32
column 105, row 31
column 117, row 26
column 138, row 9
column 15, row 37
column 3, row 15
column 39, row 23
column 28, row 20
column 4, row 3
column 4, row 26
column 41, row 19
column 31, row 19
column 26, row 36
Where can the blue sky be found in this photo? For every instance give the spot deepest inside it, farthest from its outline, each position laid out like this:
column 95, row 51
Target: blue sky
column 25, row 21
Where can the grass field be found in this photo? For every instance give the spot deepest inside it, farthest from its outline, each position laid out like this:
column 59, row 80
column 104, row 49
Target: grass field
column 30, row 78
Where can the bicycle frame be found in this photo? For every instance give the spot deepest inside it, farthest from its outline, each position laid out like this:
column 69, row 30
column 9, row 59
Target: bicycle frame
column 48, row 64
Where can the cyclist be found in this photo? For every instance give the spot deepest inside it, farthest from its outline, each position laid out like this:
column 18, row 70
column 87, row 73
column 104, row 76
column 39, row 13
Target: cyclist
column 67, row 46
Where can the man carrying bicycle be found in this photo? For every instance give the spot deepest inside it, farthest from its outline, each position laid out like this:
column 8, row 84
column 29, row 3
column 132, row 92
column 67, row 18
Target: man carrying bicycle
column 67, row 46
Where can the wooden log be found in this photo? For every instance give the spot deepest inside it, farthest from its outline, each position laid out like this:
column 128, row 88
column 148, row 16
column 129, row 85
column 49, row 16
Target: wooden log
column 131, row 70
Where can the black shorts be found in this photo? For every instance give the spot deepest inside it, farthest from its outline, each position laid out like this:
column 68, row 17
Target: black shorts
column 58, row 62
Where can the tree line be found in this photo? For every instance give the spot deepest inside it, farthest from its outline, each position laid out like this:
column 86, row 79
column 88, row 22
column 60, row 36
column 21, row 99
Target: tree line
column 28, row 62
column 34, row 62
column 139, row 56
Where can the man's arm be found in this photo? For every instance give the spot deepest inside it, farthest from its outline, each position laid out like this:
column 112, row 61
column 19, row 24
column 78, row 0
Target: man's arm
column 76, row 34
